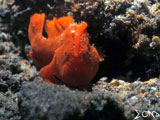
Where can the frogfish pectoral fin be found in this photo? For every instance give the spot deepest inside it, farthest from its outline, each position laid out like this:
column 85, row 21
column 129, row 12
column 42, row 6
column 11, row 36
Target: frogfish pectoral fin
column 48, row 73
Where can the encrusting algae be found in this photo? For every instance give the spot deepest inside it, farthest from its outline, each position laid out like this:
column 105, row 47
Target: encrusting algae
column 66, row 56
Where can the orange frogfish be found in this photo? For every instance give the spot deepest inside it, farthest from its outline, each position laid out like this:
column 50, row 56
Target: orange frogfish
column 65, row 56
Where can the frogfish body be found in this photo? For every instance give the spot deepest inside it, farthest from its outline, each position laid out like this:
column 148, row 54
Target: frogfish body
column 66, row 56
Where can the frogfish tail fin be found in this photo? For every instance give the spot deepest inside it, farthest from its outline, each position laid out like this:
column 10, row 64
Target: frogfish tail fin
column 36, row 25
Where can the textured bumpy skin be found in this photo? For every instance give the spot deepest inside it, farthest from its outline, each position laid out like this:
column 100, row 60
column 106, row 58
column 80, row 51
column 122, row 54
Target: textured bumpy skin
column 65, row 57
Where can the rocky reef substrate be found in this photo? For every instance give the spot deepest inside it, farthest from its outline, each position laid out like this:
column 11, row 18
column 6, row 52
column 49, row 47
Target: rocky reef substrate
column 126, row 32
